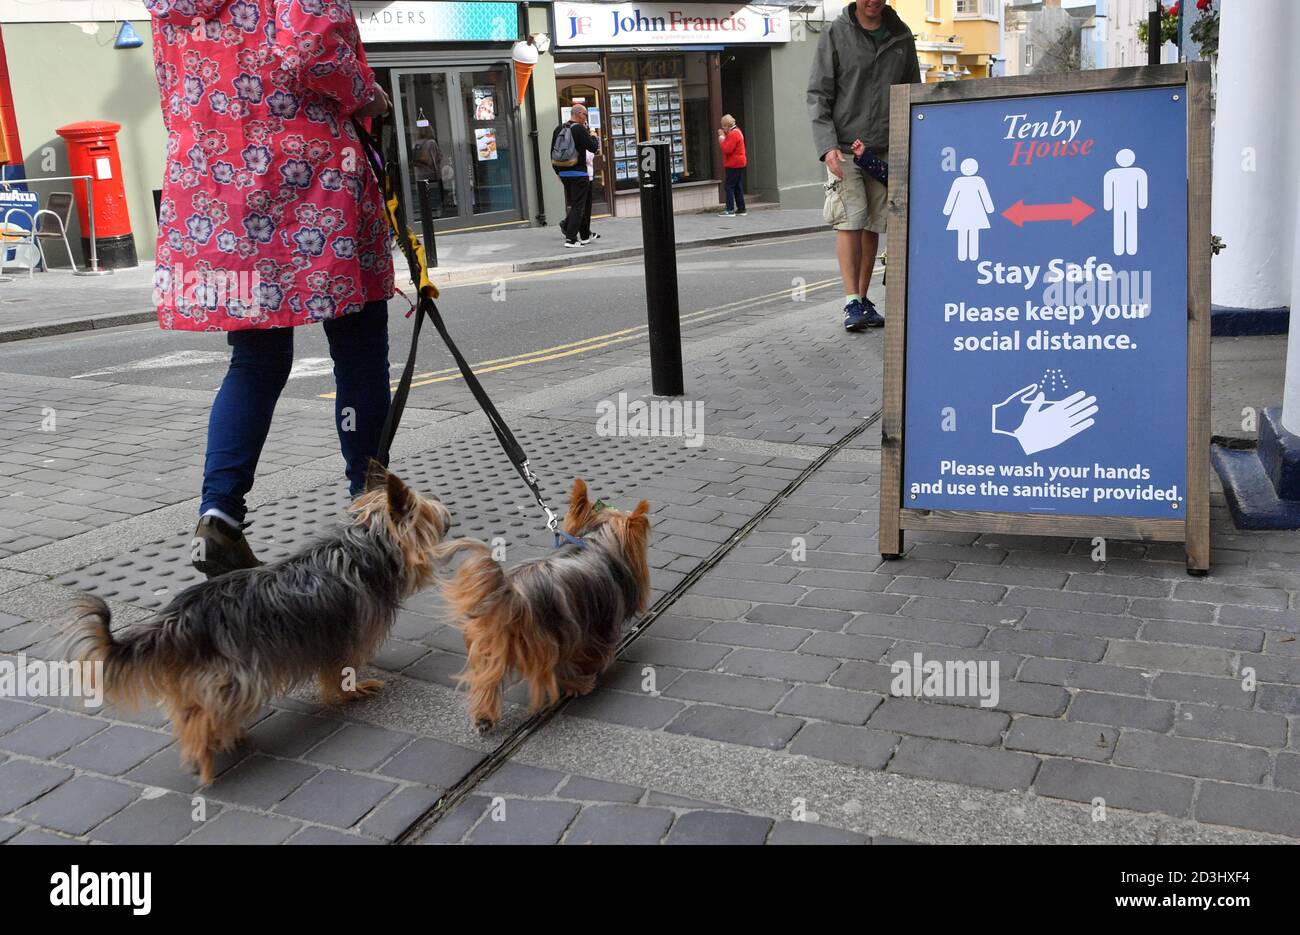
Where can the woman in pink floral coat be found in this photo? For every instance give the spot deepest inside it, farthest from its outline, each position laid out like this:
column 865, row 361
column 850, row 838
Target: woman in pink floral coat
column 270, row 218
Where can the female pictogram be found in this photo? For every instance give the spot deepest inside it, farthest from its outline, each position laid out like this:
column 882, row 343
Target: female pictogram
column 968, row 208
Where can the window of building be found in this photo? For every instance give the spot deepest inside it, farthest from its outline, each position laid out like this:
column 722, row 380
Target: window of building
column 932, row 9
column 660, row 97
column 1029, row 55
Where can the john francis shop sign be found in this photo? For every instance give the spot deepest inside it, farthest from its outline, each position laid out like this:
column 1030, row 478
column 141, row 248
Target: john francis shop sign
column 665, row 24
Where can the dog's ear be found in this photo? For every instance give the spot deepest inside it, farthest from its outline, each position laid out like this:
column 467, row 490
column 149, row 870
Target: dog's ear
column 579, row 515
column 376, row 475
column 639, row 519
column 635, row 538
column 400, row 498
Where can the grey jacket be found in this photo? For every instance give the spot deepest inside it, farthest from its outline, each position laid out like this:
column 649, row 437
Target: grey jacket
column 848, row 90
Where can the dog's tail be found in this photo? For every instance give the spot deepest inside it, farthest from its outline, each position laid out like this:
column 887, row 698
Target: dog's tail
column 478, row 583
column 127, row 666
column 500, row 632
column 444, row 552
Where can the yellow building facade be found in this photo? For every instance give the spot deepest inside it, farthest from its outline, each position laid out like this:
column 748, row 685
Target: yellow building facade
column 955, row 39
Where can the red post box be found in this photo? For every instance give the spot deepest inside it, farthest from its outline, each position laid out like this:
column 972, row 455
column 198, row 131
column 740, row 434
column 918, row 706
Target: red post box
column 92, row 150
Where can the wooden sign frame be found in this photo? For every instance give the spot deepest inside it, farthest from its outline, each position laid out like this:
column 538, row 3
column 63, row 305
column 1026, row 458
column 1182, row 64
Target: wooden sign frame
column 1194, row 528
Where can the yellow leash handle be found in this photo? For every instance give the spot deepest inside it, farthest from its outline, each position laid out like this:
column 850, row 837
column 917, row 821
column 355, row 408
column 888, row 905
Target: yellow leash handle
column 410, row 244
column 406, row 238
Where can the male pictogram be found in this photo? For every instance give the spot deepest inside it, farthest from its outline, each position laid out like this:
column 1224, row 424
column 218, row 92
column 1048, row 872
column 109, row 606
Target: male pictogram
column 1125, row 196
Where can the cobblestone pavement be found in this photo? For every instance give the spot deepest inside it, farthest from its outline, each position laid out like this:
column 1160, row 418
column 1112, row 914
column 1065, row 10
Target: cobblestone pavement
column 1134, row 704
column 79, row 456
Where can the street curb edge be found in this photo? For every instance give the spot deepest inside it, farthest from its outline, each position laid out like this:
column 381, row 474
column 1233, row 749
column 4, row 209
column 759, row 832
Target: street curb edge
column 28, row 332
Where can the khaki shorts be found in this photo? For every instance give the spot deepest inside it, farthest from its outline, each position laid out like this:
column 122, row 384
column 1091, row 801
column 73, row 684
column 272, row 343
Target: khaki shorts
column 856, row 202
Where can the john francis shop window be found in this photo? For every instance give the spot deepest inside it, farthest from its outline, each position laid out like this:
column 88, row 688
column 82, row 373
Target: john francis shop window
column 659, row 97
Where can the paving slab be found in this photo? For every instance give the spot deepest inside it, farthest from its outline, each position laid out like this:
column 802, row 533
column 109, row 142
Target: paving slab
column 760, row 707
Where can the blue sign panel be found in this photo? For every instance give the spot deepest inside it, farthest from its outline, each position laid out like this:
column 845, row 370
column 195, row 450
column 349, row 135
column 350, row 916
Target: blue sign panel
column 18, row 206
column 1047, row 305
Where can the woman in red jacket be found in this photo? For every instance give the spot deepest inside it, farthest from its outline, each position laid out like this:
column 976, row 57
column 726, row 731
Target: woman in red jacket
column 732, row 142
column 270, row 218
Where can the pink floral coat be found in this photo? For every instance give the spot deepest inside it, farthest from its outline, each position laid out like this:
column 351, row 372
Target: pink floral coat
column 271, row 215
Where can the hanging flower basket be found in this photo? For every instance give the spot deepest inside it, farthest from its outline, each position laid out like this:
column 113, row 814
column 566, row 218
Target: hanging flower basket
column 1168, row 26
column 1205, row 31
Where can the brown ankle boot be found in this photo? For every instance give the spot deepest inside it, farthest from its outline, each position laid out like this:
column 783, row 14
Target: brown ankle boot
column 218, row 548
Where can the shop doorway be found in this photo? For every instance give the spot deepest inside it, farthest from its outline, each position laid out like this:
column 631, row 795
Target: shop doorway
column 590, row 91
column 454, row 127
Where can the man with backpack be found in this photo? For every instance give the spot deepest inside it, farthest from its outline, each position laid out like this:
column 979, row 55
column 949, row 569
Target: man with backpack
column 570, row 143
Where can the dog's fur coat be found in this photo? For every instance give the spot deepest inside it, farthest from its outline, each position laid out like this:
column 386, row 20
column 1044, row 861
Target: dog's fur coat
column 554, row 621
column 224, row 647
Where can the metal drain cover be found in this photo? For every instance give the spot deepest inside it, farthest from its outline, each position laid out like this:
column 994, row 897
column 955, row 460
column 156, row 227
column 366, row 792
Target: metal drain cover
column 485, row 496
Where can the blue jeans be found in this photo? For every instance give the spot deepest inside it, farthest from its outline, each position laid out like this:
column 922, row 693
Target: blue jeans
column 260, row 361
column 734, row 185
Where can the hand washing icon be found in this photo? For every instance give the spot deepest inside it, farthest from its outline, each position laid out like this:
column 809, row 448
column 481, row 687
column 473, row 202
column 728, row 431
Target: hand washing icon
column 1039, row 423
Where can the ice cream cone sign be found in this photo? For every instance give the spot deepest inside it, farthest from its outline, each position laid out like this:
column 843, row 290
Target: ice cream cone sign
column 524, row 54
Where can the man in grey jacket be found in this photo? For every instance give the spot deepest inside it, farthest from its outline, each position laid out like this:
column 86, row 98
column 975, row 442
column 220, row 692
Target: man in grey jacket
column 864, row 51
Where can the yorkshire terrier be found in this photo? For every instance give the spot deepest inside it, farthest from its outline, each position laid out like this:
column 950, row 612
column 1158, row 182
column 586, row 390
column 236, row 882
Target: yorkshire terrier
column 554, row 621
column 222, row 648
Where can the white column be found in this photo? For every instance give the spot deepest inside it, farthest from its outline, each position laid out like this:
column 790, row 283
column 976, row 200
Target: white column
column 1253, row 202
column 1289, row 117
column 1256, row 208
column 1291, row 390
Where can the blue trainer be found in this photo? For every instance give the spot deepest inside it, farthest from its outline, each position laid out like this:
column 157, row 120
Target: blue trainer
column 855, row 316
column 873, row 318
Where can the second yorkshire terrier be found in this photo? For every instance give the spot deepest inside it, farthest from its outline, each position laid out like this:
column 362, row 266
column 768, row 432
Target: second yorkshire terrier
column 225, row 646
column 553, row 621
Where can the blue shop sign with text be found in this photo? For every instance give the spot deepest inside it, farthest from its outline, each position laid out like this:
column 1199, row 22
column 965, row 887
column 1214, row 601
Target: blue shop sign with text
column 27, row 203
column 1046, row 363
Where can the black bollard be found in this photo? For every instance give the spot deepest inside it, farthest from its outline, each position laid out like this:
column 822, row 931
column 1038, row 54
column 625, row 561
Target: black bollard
column 426, row 222
column 1153, row 36
column 660, row 244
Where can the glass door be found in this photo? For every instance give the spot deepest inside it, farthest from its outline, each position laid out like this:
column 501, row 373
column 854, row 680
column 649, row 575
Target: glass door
column 455, row 129
column 486, row 104
column 429, row 146
column 591, row 93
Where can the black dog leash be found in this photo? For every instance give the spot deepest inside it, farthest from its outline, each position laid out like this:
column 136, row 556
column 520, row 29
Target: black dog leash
column 426, row 307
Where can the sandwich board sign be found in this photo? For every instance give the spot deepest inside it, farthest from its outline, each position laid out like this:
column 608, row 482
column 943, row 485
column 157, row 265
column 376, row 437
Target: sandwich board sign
column 1047, row 343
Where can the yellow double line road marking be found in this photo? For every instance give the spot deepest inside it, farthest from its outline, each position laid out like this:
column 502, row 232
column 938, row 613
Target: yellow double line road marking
column 559, row 351
column 596, row 264
column 601, row 341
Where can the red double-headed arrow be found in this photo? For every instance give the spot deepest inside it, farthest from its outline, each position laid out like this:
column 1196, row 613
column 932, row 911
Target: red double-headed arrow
column 1073, row 211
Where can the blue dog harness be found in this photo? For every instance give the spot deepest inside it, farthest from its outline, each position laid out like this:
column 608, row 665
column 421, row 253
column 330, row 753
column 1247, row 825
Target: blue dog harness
column 563, row 538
